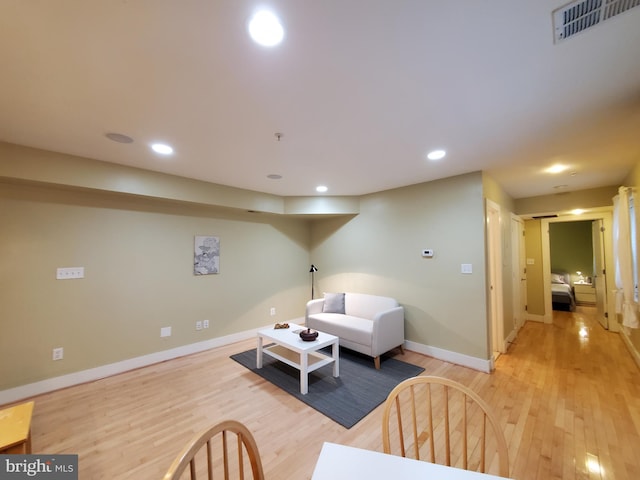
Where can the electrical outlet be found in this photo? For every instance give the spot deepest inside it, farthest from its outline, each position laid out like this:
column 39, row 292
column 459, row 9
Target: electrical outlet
column 198, row 325
column 165, row 332
column 272, row 312
column 58, row 353
column 69, row 273
column 205, row 323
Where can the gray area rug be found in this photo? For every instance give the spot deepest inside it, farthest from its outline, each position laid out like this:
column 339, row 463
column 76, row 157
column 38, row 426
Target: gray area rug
column 346, row 399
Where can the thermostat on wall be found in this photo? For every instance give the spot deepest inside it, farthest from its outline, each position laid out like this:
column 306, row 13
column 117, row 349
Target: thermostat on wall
column 427, row 253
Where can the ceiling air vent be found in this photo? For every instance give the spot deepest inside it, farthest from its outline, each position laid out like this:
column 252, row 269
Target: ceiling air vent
column 583, row 14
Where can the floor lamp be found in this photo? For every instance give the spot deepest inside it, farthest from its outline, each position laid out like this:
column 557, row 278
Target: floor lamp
column 312, row 271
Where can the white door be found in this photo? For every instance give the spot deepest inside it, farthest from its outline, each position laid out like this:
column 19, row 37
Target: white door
column 495, row 278
column 599, row 279
column 518, row 272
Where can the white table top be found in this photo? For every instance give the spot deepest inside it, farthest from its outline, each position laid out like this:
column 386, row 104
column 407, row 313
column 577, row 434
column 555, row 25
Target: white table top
column 339, row 462
column 290, row 337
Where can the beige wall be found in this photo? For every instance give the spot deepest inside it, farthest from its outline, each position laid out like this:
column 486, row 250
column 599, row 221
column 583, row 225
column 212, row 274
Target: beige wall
column 535, row 273
column 133, row 232
column 138, row 260
column 564, row 202
column 379, row 251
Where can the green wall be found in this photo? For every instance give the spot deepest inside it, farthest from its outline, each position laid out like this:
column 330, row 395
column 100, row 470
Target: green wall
column 571, row 247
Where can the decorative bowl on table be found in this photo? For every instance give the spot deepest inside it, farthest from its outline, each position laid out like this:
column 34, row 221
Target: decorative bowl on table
column 308, row 335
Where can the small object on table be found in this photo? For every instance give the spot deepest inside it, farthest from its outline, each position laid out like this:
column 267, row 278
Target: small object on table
column 281, row 325
column 308, row 335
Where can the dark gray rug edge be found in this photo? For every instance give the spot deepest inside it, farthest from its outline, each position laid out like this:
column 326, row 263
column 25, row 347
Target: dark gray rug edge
column 358, row 390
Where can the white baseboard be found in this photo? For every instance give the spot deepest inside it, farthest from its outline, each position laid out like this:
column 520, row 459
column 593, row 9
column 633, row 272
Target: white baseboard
column 449, row 356
column 25, row 391
column 509, row 340
column 632, row 350
column 37, row 388
column 538, row 318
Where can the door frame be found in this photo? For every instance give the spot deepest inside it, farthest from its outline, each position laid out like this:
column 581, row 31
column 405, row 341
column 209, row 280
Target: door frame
column 607, row 218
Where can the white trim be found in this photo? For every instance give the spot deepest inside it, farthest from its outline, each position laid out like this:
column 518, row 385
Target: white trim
column 451, row 357
column 627, row 341
column 50, row 384
column 511, row 337
column 539, row 318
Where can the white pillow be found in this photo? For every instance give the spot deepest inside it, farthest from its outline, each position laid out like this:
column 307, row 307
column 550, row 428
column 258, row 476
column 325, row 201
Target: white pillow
column 557, row 278
column 333, row 303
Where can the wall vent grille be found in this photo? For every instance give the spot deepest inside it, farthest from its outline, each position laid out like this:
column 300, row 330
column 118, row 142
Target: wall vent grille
column 583, row 14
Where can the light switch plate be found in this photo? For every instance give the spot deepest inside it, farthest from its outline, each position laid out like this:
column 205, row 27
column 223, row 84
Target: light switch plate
column 466, row 268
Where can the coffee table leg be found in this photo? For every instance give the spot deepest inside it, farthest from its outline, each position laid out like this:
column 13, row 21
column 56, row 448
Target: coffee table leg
column 304, row 377
column 259, row 353
column 335, row 349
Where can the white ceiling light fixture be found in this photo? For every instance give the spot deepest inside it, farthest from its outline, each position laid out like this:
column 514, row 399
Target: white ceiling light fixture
column 162, row 148
column 265, row 29
column 557, row 168
column 436, row 154
column 321, row 189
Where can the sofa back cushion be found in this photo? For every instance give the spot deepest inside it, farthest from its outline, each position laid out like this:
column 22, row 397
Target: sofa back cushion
column 367, row 306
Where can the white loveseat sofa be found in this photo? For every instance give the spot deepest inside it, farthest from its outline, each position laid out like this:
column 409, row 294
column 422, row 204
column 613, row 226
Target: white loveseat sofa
column 368, row 324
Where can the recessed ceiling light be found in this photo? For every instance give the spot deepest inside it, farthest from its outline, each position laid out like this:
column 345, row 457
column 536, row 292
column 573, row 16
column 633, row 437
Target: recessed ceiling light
column 162, row 148
column 557, row 168
column 119, row 137
column 265, row 28
column 321, row 189
column 436, row 154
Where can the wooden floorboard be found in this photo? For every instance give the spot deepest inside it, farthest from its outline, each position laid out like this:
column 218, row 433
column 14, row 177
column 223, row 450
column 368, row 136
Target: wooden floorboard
column 569, row 407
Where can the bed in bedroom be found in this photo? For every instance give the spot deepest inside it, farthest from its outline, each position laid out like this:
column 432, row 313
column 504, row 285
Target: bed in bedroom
column 562, row 296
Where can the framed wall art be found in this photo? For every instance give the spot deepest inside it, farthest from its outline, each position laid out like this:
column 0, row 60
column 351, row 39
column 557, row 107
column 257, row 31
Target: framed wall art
column 206, row 255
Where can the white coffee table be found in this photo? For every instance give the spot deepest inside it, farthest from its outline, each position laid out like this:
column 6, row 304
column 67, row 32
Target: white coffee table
column 292, row 350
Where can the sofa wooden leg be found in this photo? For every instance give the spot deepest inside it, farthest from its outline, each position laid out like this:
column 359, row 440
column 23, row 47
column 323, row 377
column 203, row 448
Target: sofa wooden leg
column 376, row 362
column 402, row 349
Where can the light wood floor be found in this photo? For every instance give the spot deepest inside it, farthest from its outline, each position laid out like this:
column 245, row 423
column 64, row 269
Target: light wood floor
column 563, row 400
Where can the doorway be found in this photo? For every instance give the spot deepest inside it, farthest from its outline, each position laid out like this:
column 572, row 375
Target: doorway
column 601, row 237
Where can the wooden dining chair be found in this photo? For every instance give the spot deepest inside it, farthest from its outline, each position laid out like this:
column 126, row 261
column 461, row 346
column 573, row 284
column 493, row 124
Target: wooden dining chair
column 442, row 421
column 219, row 437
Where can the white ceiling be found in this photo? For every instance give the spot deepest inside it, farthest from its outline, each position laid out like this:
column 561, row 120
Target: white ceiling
column 361, row 90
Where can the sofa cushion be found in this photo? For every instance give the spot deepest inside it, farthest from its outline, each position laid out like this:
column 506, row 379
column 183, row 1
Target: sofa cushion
column 367, row 306
column 354, row 329
column 333, row 303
